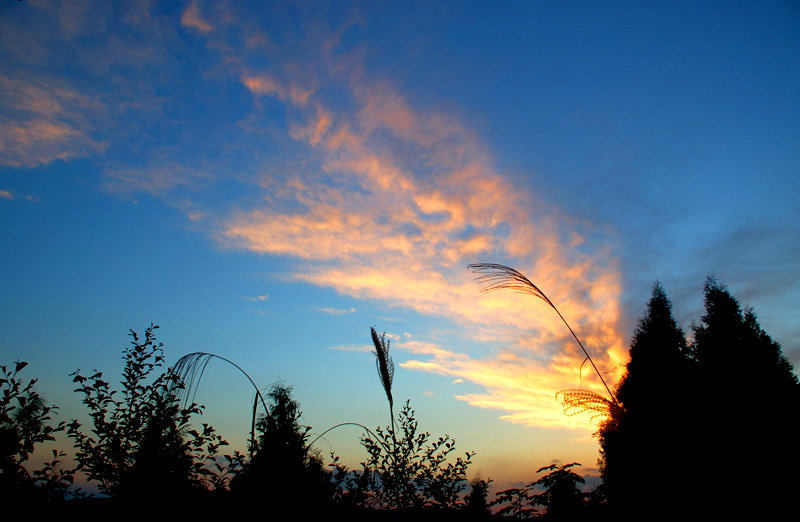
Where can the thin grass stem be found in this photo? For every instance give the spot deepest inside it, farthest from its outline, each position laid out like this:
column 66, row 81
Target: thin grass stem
column 498, row 277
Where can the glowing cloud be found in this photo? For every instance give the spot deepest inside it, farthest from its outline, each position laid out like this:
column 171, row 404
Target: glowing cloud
column 44, row 123
column 370, row 195
column 396, row 203
column 192, row 18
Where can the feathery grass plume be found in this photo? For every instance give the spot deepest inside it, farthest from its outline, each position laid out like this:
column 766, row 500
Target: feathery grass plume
column 499, row 277
column 189, row 371
column 385, row 367
column 580, row 400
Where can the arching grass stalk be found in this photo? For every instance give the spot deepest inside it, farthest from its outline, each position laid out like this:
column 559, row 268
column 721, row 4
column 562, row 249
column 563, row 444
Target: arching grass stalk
column 190, row 368
column 498, row 277
column 375, row 437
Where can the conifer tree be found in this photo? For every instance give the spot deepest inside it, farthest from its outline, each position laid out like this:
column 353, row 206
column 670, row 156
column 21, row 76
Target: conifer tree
column 748, row 401
column 283, row 469
column 645, row 433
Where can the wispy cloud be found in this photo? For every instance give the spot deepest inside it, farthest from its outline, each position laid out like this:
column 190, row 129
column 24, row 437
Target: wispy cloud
column 256, row 299
column 12, row 195
column 394, row 204
column 44, row 122
column 192, row 18
column 337, row 311
column 370, row 194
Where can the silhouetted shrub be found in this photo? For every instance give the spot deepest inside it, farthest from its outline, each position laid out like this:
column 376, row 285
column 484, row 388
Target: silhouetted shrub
column 142, row 443
column 25, row 421
column 409, row 471
column 283, row 470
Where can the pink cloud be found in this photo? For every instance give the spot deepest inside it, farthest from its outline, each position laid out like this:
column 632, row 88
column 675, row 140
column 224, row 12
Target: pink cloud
column 390, row 202
column 44, row 123
column 192, row 18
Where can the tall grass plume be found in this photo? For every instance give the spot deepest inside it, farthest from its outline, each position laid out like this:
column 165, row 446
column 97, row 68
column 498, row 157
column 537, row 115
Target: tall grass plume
column 385, row 367
column 498, row 277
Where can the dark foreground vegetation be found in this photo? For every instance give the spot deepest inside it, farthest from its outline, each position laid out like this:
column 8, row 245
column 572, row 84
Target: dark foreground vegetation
column 700, row 427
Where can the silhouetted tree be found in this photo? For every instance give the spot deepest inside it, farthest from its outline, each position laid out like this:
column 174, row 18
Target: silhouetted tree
column 283, row 470
column 706, row 429
column 748, row 401
column 648, row 431
column 141, row 443
column 25, row 421
column 554, row 496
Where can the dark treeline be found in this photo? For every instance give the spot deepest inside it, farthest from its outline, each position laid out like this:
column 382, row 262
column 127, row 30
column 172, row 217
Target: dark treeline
column 696, row 427
column 706, row 427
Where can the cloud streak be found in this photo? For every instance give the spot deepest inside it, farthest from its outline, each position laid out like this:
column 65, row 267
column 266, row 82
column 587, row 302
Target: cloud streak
column 396, row 202
column 366, row 192
column 44, row 123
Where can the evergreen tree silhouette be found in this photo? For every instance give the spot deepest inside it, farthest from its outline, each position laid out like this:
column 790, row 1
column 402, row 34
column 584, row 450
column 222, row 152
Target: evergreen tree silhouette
column 745, row 414
column 283, row 471
column 647, row 433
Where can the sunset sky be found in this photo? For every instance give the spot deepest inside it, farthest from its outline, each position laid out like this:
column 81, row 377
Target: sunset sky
column 267, row 180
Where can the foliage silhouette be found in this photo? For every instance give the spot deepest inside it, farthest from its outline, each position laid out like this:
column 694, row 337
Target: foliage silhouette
column 141, row 442
column 409, row 471
column 25, row 421
column 557, row 492
column 647, row 427
column 741, row 376
column 283, row 468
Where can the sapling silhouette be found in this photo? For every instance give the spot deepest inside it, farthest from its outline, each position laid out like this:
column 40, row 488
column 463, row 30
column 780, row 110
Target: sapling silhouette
column 476, row 505
column 284, row 469
column 144, row 433
column 411, row 471
column 25, row 422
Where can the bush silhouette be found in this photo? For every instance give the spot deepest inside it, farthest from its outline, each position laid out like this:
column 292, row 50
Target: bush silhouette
column 410, row 471
column 25, row 421
column 141, row 442
column 283, row 470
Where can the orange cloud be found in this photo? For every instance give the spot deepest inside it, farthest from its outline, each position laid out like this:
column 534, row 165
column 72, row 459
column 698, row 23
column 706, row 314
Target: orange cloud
column 44, row 123
column 191, row 17
column 391, row 202
column 266, row 85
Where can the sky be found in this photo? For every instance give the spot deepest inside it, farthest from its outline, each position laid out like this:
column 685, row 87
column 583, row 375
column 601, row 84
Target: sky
column 267, row 180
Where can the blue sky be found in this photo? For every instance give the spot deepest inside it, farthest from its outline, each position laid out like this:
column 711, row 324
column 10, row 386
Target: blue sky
column 266, row 181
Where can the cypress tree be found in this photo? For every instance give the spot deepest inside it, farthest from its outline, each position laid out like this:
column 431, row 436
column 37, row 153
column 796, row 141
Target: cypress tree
column 644, row 435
